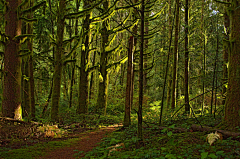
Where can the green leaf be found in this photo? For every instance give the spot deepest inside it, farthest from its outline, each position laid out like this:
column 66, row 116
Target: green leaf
column 169, row 133
column 219, row 152
column 204, row 155
column 212, row 155
column 172, row 126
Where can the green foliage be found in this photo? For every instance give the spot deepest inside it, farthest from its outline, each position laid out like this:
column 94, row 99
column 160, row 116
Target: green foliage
column 164, row 143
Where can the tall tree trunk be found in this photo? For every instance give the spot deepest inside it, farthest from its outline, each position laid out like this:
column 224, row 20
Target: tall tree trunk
column 145, row 60
column 127, row 117
column 232, row 106
column 166, row 71
column 31, row 78
column 11, row 104
column 25, row 84
column 139, row 132
column 25, row 97
column 103, row 84
column 83, row 82
column 186, row 81
column 214, row 72
column 58, row 62
column 225, row 50
column 74, row 56
column 204, row 56
column 174, row 71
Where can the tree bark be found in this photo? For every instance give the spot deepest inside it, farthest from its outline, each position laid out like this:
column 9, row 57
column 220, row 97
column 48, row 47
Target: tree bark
column 232, row 106
column 225, row 50
column 186, row 81
column 174, row 72
column 139, row 132
column 31, row 77
column 74, row 56
column 84, row 78
column 103, row 84
column 11, row 104
column 58, row 62
column 127, row 115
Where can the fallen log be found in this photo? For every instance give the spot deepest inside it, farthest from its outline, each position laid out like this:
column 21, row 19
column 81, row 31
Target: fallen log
column 226, row 134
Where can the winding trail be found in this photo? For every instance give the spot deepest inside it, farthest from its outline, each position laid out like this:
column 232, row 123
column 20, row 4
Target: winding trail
column 88, row 141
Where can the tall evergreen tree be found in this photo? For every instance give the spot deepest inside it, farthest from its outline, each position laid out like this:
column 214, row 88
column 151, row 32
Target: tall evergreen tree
column 11, row 104
column 232, row 106
column 58, row 62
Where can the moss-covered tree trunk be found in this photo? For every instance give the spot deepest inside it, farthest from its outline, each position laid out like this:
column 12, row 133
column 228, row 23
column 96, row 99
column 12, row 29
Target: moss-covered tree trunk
column 174, row 72
column 25, row 97
column 232, row 106
column 83, row 82
column 58, row 61
column 31, row 78
column 225, row 50
column 103, row 84
column 11, row 104
column 139, row 131
column 92, row 79
column 25, row 85
column 74, row 56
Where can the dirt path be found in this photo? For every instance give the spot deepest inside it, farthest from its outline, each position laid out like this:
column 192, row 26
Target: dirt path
column 87, row 143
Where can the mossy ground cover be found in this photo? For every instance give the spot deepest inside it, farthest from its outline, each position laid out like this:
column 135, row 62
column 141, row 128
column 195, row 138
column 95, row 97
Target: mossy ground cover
column 158, row 142
column 163, row 143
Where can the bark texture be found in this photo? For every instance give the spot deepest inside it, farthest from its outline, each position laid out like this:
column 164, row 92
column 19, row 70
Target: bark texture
column 84, row 78
column 11, row 104
column 174, row 72
column 232, row 106
column 58, row 62
column 186, row 81
column 127, row 117
column 103, row 84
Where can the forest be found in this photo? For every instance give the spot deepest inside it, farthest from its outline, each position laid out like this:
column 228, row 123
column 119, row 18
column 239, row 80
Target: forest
column 119, row 79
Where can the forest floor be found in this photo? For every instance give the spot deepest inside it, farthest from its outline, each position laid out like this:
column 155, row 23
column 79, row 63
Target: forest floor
column 24, row 136
column 94, row 137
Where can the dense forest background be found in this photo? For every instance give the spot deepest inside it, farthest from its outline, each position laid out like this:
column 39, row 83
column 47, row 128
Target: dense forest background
column 63, row 58
column 155, row 67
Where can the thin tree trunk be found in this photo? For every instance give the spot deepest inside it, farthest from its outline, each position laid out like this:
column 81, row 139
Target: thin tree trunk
column 139, row 132
column 186, row 81
column 204, row 57
column 165, row 77
column 214, row 73
column 174, row 71
column 31, row 77
column 74, row 56
column 145, row 63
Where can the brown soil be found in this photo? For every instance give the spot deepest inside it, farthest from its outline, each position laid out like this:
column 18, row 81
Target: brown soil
column 15, row 134
column 87, row 143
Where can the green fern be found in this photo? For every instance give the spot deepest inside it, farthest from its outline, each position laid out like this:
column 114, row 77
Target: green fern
column 212, row 137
